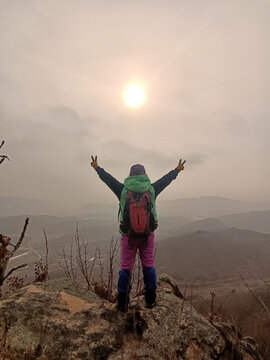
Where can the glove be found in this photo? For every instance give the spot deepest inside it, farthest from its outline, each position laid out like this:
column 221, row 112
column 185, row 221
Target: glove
column 181, row 165
column 94, row 162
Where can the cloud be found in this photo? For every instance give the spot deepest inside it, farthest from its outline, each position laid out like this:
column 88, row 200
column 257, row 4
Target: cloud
column 205, row 69
column 119, row 151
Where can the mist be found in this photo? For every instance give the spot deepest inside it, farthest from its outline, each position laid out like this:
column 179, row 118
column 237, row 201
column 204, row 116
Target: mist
column 205, row 69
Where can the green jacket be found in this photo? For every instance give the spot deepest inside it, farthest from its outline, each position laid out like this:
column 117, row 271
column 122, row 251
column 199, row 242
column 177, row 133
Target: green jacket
column 139, row 184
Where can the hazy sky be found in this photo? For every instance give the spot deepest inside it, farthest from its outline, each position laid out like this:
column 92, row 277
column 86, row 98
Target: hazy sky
column 205, row 68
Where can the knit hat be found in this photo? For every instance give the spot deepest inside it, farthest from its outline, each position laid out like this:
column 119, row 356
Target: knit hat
column 137, row 170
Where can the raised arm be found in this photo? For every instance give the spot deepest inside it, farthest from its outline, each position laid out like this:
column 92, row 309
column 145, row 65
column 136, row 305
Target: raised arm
column 108, row 179
column 162, row 183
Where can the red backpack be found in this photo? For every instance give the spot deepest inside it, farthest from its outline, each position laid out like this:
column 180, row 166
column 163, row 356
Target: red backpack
column 138, row 219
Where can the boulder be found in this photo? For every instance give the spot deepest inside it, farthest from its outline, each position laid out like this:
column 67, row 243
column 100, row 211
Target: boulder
column 64, row 321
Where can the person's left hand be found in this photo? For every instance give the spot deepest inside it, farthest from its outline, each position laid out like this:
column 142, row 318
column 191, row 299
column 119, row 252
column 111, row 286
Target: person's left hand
column 181, row 165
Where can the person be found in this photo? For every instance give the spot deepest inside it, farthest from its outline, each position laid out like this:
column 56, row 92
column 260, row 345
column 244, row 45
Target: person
column 137, row 182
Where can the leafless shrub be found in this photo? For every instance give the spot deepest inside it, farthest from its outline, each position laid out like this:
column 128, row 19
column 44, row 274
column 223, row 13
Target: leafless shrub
column 211, row 312
column 82, row 257
column 41, row 271
column 101, row 290
column 242, row 310
column 101, row 267
column 97, row 272
column 72, row 264
column 41, row 267
column 113, row 252
column 99, row 285
column 104, row 288
column 67, row 263
column 16, row 282
column 214, row 315
column 256, row 297
column 6, row 254
column 191, row 301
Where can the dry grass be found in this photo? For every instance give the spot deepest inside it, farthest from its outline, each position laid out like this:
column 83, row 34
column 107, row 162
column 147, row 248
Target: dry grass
column 245, row 312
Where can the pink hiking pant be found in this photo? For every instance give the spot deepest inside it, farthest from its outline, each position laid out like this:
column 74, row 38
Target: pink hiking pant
column 129, row 253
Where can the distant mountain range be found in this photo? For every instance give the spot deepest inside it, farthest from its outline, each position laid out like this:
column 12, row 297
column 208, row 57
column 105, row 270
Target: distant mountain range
column 208, row 206
column 171, row 226
column 53, row 225
column 252, row 220
column 192, row 208
column 222, row 254
column 198, row 239
column 13, row 206
column 208, row 224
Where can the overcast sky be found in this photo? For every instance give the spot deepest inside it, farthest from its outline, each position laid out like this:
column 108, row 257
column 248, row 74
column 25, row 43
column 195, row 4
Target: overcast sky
column 205, row 69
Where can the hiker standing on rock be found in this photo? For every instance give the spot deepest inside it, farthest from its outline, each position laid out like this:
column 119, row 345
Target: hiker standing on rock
column 138, row 221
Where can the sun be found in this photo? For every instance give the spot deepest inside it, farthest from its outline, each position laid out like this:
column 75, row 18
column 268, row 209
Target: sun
column 134, row 95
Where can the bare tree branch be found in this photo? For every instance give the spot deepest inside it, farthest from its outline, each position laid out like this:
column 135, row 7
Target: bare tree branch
column 21, row 238
column 114, row 249
column 256, row 296
column 14, row 269
column 3, row 157
column 6, row 254
column 47, row 249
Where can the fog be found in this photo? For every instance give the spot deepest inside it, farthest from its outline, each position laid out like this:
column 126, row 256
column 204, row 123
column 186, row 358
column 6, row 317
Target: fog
column 205, row 69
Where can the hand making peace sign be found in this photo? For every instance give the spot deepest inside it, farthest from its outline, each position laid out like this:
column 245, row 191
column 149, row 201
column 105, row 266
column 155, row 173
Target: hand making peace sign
column 94, row 162
column 181, row 165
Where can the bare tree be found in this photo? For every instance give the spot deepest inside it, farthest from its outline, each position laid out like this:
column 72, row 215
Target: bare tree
column 256, row 297
column 82, row 258
column 67, row 262
column 81, row 261
column 211, row 313
column 113, row 252
column 3, row 157
column 41, row 268
column 103, row 286
column 6, row 254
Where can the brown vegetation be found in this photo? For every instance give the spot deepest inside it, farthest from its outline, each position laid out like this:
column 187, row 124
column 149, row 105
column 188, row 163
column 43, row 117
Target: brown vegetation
column 79, row 263
column 6, row 254
column 41, row 268
column 247, row 310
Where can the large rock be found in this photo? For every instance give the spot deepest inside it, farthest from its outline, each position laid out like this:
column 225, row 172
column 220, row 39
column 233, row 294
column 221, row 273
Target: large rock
column 65, row 322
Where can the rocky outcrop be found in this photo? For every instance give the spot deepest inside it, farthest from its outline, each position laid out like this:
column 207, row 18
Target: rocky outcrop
column 65, row 322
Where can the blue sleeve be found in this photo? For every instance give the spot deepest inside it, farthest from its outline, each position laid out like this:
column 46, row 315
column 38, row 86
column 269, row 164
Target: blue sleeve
column 109, row 180
column 162, row 183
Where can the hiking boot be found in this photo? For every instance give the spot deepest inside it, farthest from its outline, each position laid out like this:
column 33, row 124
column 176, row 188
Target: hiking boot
column 150, row 298
column 122, row 301
column 150, row 306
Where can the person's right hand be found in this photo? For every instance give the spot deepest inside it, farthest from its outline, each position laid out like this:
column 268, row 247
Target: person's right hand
column 94, row 162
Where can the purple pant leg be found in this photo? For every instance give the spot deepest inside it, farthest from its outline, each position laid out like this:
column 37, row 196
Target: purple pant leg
column 147, row 253
column 128, row 254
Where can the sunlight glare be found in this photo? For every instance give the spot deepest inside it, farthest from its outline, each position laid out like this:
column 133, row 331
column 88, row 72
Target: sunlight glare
column 134, row 95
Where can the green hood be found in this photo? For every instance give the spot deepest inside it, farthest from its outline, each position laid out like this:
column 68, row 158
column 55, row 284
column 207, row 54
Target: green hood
column 139, row 184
